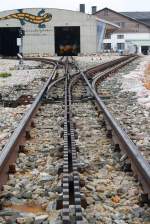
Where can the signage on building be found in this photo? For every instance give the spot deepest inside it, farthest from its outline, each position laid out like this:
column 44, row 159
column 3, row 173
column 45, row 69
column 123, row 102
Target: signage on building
column 18, row 42
column 24, row 17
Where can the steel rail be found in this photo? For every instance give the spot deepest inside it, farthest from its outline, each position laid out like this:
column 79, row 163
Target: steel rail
column 109, row 70
column 45, row 60
column 104, row 66
column 10, row 150
column 139, row 164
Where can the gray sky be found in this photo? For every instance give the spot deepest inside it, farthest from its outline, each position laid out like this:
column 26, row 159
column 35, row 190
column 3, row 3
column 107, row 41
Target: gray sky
column 118, row 5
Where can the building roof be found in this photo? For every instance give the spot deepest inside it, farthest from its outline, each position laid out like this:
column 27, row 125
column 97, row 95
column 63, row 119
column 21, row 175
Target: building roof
column 125, row 14
column 76, row 13
column 108, row 23
column 140, row 16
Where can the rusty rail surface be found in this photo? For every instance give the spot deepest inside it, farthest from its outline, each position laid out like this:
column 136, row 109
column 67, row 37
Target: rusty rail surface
column 111, row 69
column 139, row 165
column 10, row 150
column 70, row 164
column 104, row 66
column 45, row 60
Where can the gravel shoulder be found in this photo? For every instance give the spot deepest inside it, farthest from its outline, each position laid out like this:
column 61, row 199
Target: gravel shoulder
column 25, row 81
column 128, row 100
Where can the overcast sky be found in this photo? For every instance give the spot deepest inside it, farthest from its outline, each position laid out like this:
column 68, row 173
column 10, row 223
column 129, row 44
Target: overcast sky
column 119, row 5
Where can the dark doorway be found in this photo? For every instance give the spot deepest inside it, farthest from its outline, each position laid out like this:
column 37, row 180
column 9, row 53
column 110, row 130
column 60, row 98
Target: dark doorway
column 67, row 40
column 145, row 49
column 8, row 41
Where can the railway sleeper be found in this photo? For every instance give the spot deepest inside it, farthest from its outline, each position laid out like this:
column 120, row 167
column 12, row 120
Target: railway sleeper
column 144, row 199
column 22, row 149
column 123, row 144
column 53, row 100
column 28, row 135
column 21, row 100
column 12, row 168
column 128, row 165
column 10, row 103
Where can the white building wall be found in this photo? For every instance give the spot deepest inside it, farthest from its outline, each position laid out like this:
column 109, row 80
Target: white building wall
column 130, row 40
column 40, row 41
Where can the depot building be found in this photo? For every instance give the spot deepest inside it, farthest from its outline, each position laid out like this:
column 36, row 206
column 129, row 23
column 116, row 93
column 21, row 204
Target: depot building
column 48, row 32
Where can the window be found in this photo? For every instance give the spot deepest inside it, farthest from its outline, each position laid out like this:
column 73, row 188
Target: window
column 120, row 46
column 120, row 36
column 107, row 46
column 121, row 24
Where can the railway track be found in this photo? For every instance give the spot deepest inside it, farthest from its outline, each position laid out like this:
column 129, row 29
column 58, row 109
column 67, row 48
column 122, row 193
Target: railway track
column 25, row 94
column 67, row 162
column 71, row 180
column 16, row 99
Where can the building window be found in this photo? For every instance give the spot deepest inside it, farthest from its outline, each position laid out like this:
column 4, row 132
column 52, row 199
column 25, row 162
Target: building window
column 121, row 24
column 120, row 36
column 120, row 46
column 107, row 46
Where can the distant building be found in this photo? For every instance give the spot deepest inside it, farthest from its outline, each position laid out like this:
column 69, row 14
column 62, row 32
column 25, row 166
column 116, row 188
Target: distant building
column 133, row 35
